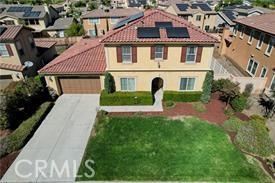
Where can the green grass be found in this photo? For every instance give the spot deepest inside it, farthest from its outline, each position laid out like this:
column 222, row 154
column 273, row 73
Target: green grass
column 157, row 148
column 199, row 106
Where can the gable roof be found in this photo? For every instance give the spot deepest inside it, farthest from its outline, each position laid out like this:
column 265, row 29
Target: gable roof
column 128, row 33
column 265, row 22
column 86, row 56
column 191, row 8
column 61, row 24
column 10, row 32
column 117, row 12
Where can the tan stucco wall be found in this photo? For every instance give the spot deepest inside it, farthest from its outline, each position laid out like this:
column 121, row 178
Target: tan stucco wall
column 10, row 18
column 52, row 82
column 240, row 52
column 171, row 79
column 11, row 59
column 100, row 27
column 16, row 75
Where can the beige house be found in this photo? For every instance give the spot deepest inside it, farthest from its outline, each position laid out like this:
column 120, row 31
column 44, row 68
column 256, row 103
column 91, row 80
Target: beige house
column 18, row 50
column 199, row 14
column 36, row 17
column 98, row 22
column 157, row 50
column 251, row 47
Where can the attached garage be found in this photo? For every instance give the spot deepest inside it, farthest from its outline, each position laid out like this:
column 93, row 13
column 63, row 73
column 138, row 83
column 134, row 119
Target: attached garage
column 78, row 85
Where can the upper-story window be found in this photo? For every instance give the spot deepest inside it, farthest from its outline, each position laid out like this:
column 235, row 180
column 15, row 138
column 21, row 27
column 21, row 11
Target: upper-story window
column 263, row 72
column 31, row 22
column 126, row 54
column 198, row 17
column 260, row 41
column 235, row 30
column 250, row 39
column 252, row 67
column 3, row 50
column 159, row 52
column 94, row 20
column 270, row 46
column 242, row 32
column 191, row 53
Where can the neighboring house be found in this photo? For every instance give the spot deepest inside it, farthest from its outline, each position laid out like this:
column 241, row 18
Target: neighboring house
column 199, row 14
column 17, row 46
column 228, row 14
column 119, row 3
column 100, row 21
column 59, row 27
column 251, row 47
column 36, row 17
column 138, row 3
column 158, row 49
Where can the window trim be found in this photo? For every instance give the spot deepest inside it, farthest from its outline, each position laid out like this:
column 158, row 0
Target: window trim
column 259, row 47
column 197, row 17
column 271, row 41
column 128, row 77
column 195, row 58
column 188, row 77
column 242, row 32
column 250, row 73
column 250, row 37
column 272, row 80
column 263, row 67
column 131, row 54
column 162, row 53
column 6, row 50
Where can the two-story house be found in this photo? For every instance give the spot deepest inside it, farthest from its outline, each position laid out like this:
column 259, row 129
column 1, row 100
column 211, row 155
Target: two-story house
column 36, row 17
column 251, row 47
column 20, row 54
column 98, row 22
column 156, row 48
column 199, row 14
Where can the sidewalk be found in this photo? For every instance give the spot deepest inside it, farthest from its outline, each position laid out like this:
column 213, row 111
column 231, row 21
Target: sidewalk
column 157, row 107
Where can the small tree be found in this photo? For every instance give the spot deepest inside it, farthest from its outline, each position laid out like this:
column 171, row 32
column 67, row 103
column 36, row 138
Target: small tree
column 207, row 86
column 268, row 102
column 229, row 91
column 109, row 83
column 92, row 5
column 248, row 90
column 75, row 30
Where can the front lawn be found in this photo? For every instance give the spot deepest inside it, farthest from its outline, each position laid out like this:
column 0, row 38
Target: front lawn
column 160, row 149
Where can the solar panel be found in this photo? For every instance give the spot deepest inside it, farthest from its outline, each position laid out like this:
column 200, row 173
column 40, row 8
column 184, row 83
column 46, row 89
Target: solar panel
column 32, row 14
column 2, row 30
column 128, row 20
column 163, row 24
column 177, row 32
column 19, row 9
column 204, row 7
column 182, row 7
column 148, row 32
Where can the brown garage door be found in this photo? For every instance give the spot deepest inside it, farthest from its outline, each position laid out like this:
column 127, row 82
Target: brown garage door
column 80, row 85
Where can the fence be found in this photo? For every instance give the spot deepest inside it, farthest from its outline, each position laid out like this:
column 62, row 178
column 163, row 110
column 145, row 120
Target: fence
column 62, row 41
column 221, row 73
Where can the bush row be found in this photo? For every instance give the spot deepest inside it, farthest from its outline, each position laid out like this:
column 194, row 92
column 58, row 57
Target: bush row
column 126, row 98
column 178, row 96
column 18, row 138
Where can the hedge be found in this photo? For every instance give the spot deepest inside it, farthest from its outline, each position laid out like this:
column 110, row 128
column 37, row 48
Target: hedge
column 18, row 138
column 126, row 98
column 177, row 96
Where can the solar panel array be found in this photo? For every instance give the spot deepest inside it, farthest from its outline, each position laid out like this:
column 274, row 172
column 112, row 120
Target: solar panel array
column 182, row 7
column 177, row 32
column 19, row 9
column 163, row 24
column 128, row 20
column 32, row 14
column 204, row 7
column 148, row 32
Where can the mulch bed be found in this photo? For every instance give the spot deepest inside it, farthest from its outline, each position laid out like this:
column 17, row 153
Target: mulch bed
column 6, row 161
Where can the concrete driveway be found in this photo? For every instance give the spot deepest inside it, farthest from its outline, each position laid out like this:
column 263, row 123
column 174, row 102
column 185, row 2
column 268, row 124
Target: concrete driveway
column 59, row 141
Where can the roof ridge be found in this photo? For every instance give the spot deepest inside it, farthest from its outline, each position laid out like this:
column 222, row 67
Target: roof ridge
column 63, row 60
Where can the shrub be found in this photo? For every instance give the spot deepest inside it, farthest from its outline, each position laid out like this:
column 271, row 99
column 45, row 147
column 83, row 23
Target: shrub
column 207, row 86
column 199, row 107
column 233, row 124
column 169, row 104
column 109, row 83
column 248, row 90
column 229, row 112
column 126, row 98
column 258, row 118
column 253, row 137
column 182, row 96
column 18, row 138
column 217, row 85
column 239, row 103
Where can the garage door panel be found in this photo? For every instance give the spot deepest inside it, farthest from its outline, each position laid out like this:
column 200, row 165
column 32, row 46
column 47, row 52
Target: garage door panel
column 80, row 85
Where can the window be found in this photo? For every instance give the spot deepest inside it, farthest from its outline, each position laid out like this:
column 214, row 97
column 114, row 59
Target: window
column 263, row 72
column 19, row 47
column 191, row 54
column 187, row 83
column 272, row 85
column 260, row 41
column 94, row 20
column 31, row 41
column 126, row 54
column 198, row 17
column 159, row 52
column 235, row 30
column 92, row 33
column 128, row 84
column 61, row 33
column 114, row 20
column 270, row 46
column 206, row 28
column 242, row 32
column 250, row 39
column 252, row 67
column 3, row 50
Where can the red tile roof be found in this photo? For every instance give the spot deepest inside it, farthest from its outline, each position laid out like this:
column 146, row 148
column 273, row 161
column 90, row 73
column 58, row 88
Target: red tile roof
column 86, row 56
column 265, row 22
column 128, row 33
column 44, row 44
column 116, row 12
column 11, row 67
column 10, row 32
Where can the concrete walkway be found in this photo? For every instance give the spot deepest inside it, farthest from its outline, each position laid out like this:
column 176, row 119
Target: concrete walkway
column 142, row 108
column 60, row 140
